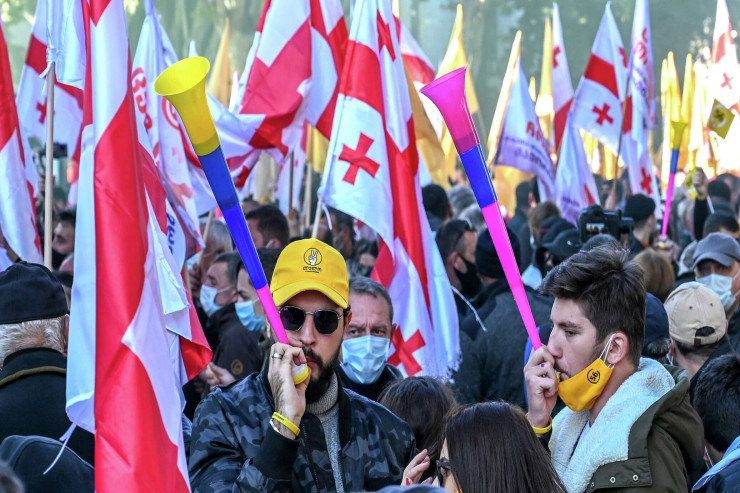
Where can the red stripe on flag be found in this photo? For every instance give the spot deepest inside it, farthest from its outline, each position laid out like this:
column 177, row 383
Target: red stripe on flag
column 337, row 40
column 602, row 72
column 383, row 271
column 363, row 84
column 418, row 69
column 8, row 111
column 561, row 116
column 36, row 56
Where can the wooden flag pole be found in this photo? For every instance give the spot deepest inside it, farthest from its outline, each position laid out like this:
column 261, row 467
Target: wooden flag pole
column 290, row 188
column 49, row 182
column 316, row 218
column 308, row 192
column 206, row 232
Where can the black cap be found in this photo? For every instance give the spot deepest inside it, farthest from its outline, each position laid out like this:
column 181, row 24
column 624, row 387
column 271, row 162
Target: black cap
column 656, row 320
column 487, row 262
column 639, row 207
column 30, row 292
column 565, row 244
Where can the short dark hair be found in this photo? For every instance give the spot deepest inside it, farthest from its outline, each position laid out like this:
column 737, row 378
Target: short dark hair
column 702, row 352
column 233, row 262
column 402, row 398
column 720, row 219
column 719, row 189
column 68, row 216
column 601, row 239
column 271, row 223
column 435, row 200
column 717, row 400
column 522, row 194
column 367, row 286
column 492, row 447
column 609, row 290
column 268, row 258
column 449, row 235
column 657, row 349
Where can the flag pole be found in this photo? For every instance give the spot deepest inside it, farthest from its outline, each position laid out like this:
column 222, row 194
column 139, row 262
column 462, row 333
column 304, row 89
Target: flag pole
column 49, row 181
column 308, row 191
column 290, row 188
column 316, row 218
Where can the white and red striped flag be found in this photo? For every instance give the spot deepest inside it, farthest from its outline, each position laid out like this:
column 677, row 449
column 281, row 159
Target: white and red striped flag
column 640, row 109
column 522, row 144
column 31, row 97
column 417, row 62
column 372, row 174
column 562, row 87
column 575, row 187
column 291, row 75
column 18, row 179
column 133, row 339
column 163, row 129
column 597, row 104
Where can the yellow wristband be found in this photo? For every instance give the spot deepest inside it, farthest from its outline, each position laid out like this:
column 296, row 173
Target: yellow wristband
column 541, row 431
column 286, row 422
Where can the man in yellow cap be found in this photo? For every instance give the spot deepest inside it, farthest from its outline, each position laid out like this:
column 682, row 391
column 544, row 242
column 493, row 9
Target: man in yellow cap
column 266, row 433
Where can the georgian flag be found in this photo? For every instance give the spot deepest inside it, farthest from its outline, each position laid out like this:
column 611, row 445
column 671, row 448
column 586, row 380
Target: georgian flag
column 562, row 87
column 134, row 338
column 597, row 104
column 18, row 179
column 417, row 62
column 724, row 72
column 372, row 174
column 522, row 144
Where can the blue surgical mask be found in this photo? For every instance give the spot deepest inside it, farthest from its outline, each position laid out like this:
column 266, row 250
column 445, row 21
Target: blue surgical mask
column 722, row 287
column 364, row 358
column 208, row 299
column 249, row 319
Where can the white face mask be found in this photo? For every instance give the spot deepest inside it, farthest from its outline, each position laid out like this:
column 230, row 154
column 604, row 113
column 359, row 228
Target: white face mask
column 722, row 287
column 364, row 358
column 208, row 299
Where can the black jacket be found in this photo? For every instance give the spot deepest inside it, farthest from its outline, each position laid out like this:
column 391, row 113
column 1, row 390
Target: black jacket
column 33, row 396
column 234, row 448
column 724, row 348
column 236, row 349
column 493, row 360
column 733, row 331
column 372, row 390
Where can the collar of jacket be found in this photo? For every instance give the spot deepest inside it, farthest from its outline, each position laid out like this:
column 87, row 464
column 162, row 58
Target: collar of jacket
column 32, row 361
column 345, row 410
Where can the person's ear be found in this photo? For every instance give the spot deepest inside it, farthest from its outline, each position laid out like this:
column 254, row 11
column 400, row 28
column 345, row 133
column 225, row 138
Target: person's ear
column 273, row 243
column 619, row 349
column 456, row 261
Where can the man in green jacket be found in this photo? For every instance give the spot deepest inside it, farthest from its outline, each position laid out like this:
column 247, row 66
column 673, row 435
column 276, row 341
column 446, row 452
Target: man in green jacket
column 628, row 425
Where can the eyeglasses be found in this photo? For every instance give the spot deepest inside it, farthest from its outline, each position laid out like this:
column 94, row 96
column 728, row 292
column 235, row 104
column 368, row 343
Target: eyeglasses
column 325, row 321
column 443, row 470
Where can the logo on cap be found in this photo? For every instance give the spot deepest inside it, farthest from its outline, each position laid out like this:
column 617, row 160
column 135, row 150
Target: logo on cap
column 312, row 257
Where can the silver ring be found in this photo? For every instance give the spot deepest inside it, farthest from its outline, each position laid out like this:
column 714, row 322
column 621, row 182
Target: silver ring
column 277, row 355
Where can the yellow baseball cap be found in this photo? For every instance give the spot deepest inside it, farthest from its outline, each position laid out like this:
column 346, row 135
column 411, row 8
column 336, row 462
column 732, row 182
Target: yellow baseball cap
column 310, row 265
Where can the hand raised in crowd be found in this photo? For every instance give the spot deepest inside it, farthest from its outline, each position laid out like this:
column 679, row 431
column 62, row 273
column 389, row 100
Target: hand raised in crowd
column 701, row 184
column 413, row 472
column 542, row 386
column 667, row 247
column 290, row 399
column 294, row 223
column 217, row 376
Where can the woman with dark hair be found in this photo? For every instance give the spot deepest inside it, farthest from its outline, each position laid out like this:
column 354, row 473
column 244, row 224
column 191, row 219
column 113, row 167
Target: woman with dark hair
column 403, row 398
column 491, row 448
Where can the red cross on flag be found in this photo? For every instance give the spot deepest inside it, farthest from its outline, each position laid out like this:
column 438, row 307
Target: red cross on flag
column 292, row 73
column 562, row 87
column 31, row 97
column 575, row 187
column 597, row 104
column 724, row 72
column 640, row 110
column 163, row 131
column 522, row 144
column 372, row 174
column 134, row 338
column 18, row 182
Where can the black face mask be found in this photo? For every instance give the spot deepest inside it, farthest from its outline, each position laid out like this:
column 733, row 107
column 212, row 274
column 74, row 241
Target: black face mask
column 469, row 280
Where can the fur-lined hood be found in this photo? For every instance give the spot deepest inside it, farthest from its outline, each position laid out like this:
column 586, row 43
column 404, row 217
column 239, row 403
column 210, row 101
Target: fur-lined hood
column 615, row 451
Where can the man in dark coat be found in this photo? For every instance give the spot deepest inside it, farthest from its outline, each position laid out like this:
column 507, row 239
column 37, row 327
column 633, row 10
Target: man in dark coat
column 34, row 326
column 493, row 355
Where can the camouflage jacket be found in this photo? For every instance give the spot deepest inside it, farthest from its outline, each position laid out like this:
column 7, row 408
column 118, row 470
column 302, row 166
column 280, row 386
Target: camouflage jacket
column 234, row 448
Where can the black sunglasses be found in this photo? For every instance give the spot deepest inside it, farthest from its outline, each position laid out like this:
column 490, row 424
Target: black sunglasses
column 443, row 470
column 325, row 321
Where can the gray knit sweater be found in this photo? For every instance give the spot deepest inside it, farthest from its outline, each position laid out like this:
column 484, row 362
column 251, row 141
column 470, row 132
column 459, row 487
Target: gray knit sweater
column 327, row 410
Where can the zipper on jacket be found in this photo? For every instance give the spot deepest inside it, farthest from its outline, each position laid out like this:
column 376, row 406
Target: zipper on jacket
column 311, row 465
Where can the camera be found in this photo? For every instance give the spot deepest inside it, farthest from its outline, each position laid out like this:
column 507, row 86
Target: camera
column 594, row 220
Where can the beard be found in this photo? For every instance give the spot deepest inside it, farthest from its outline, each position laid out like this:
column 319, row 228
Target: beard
column 319, row 384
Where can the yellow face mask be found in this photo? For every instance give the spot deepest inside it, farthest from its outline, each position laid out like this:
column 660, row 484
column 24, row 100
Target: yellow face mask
column 580, row 391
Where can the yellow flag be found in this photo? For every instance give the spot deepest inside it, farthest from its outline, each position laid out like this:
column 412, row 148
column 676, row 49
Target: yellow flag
column 455, row 58
column 220, row 82
column 317, row 146
column 720, row 119
column 430, row 150
column 545, row 107
column 533, row 88
column 670, row 98
column 687, row 102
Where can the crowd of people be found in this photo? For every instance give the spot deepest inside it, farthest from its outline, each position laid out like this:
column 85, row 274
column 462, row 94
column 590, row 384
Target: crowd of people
column 635, row 388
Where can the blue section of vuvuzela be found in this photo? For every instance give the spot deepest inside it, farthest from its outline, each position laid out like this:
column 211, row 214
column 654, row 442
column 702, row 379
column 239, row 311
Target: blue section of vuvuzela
column 480, row 179
column 674, row 160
